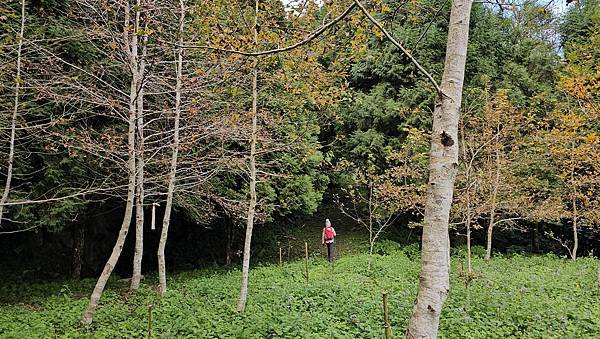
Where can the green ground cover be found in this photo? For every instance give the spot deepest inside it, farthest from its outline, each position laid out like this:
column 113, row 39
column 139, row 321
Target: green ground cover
column 519, row 297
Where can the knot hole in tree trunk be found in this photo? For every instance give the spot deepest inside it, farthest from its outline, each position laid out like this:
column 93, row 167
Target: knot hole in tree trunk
column 446, row 139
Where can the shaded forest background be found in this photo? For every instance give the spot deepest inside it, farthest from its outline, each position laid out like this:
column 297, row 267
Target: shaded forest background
column 343, row 131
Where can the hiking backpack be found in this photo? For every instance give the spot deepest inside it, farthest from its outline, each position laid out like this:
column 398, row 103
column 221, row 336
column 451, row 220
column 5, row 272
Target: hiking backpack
column 328, row 233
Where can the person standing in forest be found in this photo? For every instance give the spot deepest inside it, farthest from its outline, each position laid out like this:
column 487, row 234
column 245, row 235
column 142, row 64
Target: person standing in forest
column 328, row 237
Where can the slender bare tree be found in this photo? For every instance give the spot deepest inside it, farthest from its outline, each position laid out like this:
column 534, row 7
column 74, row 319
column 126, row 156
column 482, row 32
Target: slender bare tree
column 252, row 173
column 368, row 207
column 140, row 64
column 162, row 275
column 493, row 206
column 130, row 44
column 13, row 120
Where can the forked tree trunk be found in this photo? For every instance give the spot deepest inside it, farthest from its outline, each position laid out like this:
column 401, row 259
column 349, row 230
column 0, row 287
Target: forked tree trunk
column 252, row 202
column 434, row 281
column 131, row 50
column 116, row 251
column 13, row 120
column 162, row 272
column 139, row 201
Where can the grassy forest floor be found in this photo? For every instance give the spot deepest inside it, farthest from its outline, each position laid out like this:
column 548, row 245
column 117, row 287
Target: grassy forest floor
column 517, row 296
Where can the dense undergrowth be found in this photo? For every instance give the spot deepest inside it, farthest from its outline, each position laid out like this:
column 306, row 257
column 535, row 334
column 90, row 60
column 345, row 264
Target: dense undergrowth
column 520, row 297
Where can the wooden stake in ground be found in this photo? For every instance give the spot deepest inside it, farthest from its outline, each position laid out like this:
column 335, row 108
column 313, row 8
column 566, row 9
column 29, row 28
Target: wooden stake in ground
column 149, row 322
column 386, row 319
column 306, row 260
column 280, row 256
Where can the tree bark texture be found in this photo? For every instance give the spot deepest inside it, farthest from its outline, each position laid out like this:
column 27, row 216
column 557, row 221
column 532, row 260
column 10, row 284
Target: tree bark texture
column 13, row 120
column 77, row 259
column 252, row 201
column 434, row 281
column 162, row 274
column 139, row 201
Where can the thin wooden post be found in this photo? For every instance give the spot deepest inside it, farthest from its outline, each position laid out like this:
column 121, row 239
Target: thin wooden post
column 386, row 319
column 280, row 256
column 306, row 260
column 149, row 322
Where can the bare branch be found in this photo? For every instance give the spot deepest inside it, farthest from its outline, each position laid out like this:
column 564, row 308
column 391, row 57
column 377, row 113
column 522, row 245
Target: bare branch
column 315, row 34
column 397, row 44
column 19, row 231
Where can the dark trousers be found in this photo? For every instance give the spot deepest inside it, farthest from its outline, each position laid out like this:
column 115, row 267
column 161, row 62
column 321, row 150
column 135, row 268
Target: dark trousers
column 330, row 251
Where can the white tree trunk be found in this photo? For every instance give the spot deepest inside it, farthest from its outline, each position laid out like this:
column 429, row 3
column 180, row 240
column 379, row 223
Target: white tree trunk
column 371, row 235
column 490, row 230
column 468, row 199
column 116, row 252
column 575, row 238
column 13, row 120
column 573, row 252
column 162, row 275
column 139, row 64
column 434, row 281
column 469, row 265
column 131, row 50
column 252, row 202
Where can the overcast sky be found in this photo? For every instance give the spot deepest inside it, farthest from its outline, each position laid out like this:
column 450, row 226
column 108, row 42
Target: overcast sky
column 558, row 6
